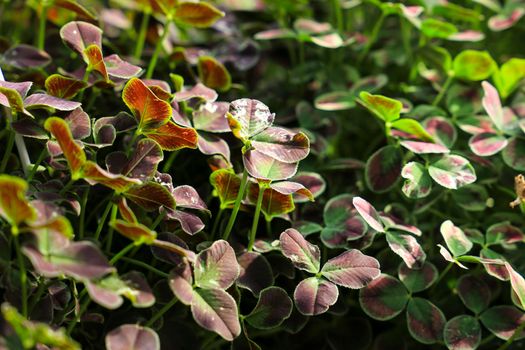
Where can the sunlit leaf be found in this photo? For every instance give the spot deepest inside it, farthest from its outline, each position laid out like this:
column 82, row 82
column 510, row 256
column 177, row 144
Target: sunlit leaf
column 63, row 87
column 314, row 296
column 132, row 337
column 452, row 172
column 79, row 35
column 151, row 196
column 172, row 137
column 213, row 74
column 473, row 65
column 418, row 183
column 249, row 117
column 134, row 231
column 200, row 15
column 14, row 206
column 407, row 247
column 351, row 269
column 281, row 144
column 216, row 266
column 304, row 255
column 456, row 240
column 384, row 108
column 368, row 213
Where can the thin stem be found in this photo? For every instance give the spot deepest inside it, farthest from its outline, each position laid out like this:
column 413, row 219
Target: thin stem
column 113, row 217
column 513, row 337
column 268, row 227
column 85, row 79
column 42, row 26
column 144, row 265
column 158, row 47
column 443, row 91
column 66, row 187
column 142, row 34
column 8, row 150
column 373, row 37
column 161, row 312
column 83, row 213
column 103, row 219
column 167, row 166
column 83, row 308
column 236, row 206
column 255, row 223
column 40, row 290
column 216, row 222
column 159, row 219
column 22, row 274
column 338, row 15
column 123, row 252
column 39, row 160
column 442, row 275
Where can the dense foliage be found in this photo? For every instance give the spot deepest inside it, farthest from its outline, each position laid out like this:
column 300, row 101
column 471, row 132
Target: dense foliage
column 281, row 174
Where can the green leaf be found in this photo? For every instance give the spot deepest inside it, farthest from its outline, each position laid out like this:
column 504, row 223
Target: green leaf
column 473, row 65
column 412, row 127
column 386, row 109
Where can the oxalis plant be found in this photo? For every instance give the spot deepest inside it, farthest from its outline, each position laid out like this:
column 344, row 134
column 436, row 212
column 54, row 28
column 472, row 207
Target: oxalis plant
column 262, row 174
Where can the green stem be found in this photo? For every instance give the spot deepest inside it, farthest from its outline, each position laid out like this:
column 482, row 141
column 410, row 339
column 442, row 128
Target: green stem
column 513, row 337
column 142, row 35
column 167, row 166
column 42, row 286
column 112, row 218
column 23, row 274
column 338, row 15
column 301, row 53
column 159, row 219
column 103, row 220
column 161, row 312
column 42, row 26
column 8, row 150
column 268, row 227
column 236, row 206
column 83, row 208
column 442, row 275
column 373, row 37
column 443, row 91
column 123, row 252
column 158, row 47
column 85, row 79
column 83, row 308
column 41, row 157
column 216, row 222
column 66, row 187
column 144, row 265
column 255, row 223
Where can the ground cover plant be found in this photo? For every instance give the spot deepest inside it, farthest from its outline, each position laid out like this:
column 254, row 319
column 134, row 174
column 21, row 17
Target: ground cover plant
column 275, row 174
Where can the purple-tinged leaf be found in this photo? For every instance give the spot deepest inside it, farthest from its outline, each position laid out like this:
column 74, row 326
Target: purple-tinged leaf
column 79, row 124
column 22, row 88
column 462, row 332
column 314, row 296
column 189, row 222
column 503, row 321
column 452, row 172
column 121, row 122
column 165, row 255
column 181, row 282
column 147, row 154
column 132, row 337
column 79, row 35
column 309, row 26
column 448, row 257
column 341, row 222
column 312, row 181
column 135, row 231
column 384, row 298
column 392, row 222
column 383, row 169
column 290, row 187
column 216, row 310
column 304, row 255
column 281, row 144
column 514, row 154
column 248, row 117
column 216, row 266
column 118, row 68
column 63, row 87
column 199, row 91
column 368, row 213
column 503, row 233
column 407, row 247
column 425, row 321
column 474, row 293
column 487, row 144
column 467, row 36
column 45, row 100
column 211, row 144
column 351, row 269
column 419, row 147
column 226, row 183
column 264, row 167
column 80, row 260
column 442, row 130
column 29, row 127
column 417, row 280
column 501, row 22
column 418, row 183
column 476, row 125
column 187, row 197
column 108, row 291
column 255, row 272
column 151, row 196
column 211, row 117
column 273, row 307
column 517, row 283
column 456, row 240
column 24, row 56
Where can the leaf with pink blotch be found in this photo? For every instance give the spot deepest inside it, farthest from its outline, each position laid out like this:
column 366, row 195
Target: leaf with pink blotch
column 368, row 213
column 304, row 255
column 351, row 269
column 383, row 169
column 456, row 240
column 407, row 247
column 442, row 130
column 132, row 337
column 474, row 292
column 503, row 233
column 384, row 298
column 314, row 296
column 452, row 171
column 487, row 144
column 462, row 332
column 514, row 154
column 419, row 147
column 503, row 321
column 418, row 183
column 425, row 321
